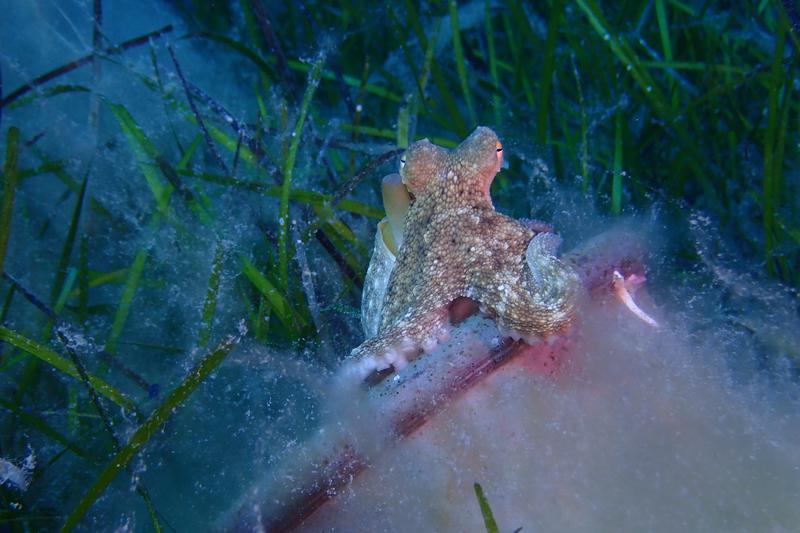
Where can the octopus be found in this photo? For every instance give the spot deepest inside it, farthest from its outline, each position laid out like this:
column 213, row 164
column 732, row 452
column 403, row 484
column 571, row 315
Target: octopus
column 443, row 243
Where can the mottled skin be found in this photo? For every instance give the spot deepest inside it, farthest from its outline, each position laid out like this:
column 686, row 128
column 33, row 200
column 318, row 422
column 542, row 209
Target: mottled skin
column 456, row 245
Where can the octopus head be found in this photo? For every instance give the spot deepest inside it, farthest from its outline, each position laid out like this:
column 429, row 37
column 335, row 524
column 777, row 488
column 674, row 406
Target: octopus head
column 421, row 163
column 480, row 157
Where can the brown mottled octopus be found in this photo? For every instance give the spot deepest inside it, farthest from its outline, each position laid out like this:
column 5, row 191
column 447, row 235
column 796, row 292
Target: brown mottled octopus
column 455, row 245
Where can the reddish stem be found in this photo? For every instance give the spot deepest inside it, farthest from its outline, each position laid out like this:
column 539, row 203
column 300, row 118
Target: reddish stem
column 595, row 262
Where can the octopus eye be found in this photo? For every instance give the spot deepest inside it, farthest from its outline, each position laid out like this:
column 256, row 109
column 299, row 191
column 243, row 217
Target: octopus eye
column 499, row 151
column 402, row 162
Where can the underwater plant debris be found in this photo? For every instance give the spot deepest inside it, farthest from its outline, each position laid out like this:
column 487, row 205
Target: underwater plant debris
column 190, row 197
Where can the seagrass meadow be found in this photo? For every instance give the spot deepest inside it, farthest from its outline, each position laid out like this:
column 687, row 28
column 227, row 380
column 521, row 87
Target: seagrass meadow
column 190, row 192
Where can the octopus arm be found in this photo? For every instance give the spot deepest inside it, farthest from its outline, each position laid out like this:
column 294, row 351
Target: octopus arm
column 401, row 343
column 554, row 286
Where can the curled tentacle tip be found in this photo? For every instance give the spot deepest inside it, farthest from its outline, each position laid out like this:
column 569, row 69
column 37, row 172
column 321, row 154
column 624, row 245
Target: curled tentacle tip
column 396, row 201
column 620, row 285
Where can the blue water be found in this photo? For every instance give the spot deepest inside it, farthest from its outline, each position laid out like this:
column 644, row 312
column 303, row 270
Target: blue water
column 692, row 427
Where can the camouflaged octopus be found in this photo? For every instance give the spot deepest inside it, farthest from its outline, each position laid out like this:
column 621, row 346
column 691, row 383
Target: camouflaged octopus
column 450, row 244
